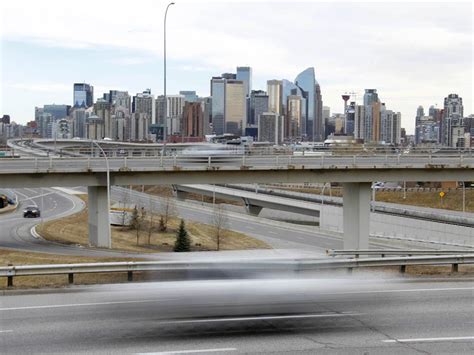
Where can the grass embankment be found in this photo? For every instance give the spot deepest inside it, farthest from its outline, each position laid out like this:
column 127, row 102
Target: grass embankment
column 74, row 230
column 451, row 201
column 11, row 257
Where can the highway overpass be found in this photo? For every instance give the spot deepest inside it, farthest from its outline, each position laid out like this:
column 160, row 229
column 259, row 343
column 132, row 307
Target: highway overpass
column 356, row 173
column 253, row 202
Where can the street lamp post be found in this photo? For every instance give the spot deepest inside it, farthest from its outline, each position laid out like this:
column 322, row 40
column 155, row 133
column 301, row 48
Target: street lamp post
column 164, row 77
column 108, row 184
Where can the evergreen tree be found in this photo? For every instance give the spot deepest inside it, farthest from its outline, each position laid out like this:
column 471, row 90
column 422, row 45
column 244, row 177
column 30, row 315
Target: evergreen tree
column 162, row 226
column 182, row 239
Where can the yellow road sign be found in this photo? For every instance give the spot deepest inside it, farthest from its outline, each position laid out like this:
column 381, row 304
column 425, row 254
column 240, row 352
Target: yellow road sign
column 441, row 194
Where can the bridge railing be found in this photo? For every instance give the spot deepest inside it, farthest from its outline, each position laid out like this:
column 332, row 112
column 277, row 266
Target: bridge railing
column 66, row 164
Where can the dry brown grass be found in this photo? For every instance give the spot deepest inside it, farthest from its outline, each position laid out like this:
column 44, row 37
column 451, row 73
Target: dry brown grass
column 74, row 230
column 451, row 201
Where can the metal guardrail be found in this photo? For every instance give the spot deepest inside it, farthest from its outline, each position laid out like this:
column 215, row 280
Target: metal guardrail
column 383, row 252
column 268, row 265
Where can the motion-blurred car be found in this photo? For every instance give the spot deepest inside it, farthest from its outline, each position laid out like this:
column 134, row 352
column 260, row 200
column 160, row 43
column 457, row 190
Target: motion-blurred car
column 31, row 212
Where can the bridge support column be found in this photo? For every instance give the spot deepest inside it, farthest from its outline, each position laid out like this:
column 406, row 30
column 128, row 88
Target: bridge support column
column 356, row 215
column 180, row 195
column 99, row 230
column 252, row 209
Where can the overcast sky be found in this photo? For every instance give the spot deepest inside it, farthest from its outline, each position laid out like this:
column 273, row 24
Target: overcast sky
column 412, row 53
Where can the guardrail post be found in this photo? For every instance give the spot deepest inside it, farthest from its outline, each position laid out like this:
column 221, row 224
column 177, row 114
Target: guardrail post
column 209, row 161
column 354, row 160
column 322, row 160
column 10, row 281
column 455, row 268
column 461, row 160
column 50, row 162
column 243, row 160
column 161, row 160
column 130, row 276
column 36, row 163
column 174, row 160
column 403, row 268
column 398, row 159
column 430, row 159
column 349, row 270
column 70, row 278
column 88, row 162
column 125, row 162
column 277, row 160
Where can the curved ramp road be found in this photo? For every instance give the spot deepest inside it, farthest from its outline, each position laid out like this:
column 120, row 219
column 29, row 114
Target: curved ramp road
column 16, row 231
column 266, row 316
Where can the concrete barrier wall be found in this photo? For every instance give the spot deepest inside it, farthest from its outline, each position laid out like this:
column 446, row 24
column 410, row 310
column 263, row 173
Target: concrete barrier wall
column 402, row 227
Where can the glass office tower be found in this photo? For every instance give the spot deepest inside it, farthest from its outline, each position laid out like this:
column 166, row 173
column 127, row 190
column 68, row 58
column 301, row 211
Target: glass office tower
column 83, row 95
column 306, row 81
column 218, row 104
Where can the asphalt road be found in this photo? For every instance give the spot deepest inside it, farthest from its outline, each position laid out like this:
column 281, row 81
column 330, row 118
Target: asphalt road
column 16, row 230
column 363, row 316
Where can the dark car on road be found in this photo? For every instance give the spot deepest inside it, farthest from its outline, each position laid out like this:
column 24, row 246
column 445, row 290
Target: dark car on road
column 31, row 212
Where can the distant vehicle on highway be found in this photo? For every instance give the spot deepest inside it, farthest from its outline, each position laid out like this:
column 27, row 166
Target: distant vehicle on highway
column 31, row 212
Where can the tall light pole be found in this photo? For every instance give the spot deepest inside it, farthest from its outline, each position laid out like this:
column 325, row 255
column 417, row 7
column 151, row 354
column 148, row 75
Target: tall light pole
column 165, row 128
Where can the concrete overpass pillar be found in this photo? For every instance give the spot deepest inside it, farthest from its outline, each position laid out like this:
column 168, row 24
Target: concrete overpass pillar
column 356, row 215
column 251, row 209
column 180, row 195
column 98, row 217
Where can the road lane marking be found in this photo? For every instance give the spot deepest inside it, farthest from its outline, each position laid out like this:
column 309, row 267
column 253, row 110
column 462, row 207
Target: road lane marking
column 237, row 319
column 190, row 351
column 6, row 331
column 75, row 305
column 401, row 290
column 417, row 340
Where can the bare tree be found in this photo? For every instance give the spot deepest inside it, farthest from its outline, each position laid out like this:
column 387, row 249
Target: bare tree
column 138, row 220
column 168, row 210
column 219, row 222
column 151, row 207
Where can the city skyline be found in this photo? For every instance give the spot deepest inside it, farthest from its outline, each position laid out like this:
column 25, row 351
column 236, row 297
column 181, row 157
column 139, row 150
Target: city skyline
column 407, row 71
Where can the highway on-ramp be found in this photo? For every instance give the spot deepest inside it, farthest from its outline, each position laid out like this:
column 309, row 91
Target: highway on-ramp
column 330, row 316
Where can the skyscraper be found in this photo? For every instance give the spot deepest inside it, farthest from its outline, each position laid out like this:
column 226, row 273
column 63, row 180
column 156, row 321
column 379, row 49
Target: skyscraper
column 306, row 81
column 372, row 115
column 245, row 74
column 193, row 120
column 270, row 127
column 420, row 112
column 83, row 95
column 218, row 104
column 103, row 112
column 145, row 103
column 275, row 96
column 235, row 107
column 258, row 104
column 294, row 117
column 452, row 119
